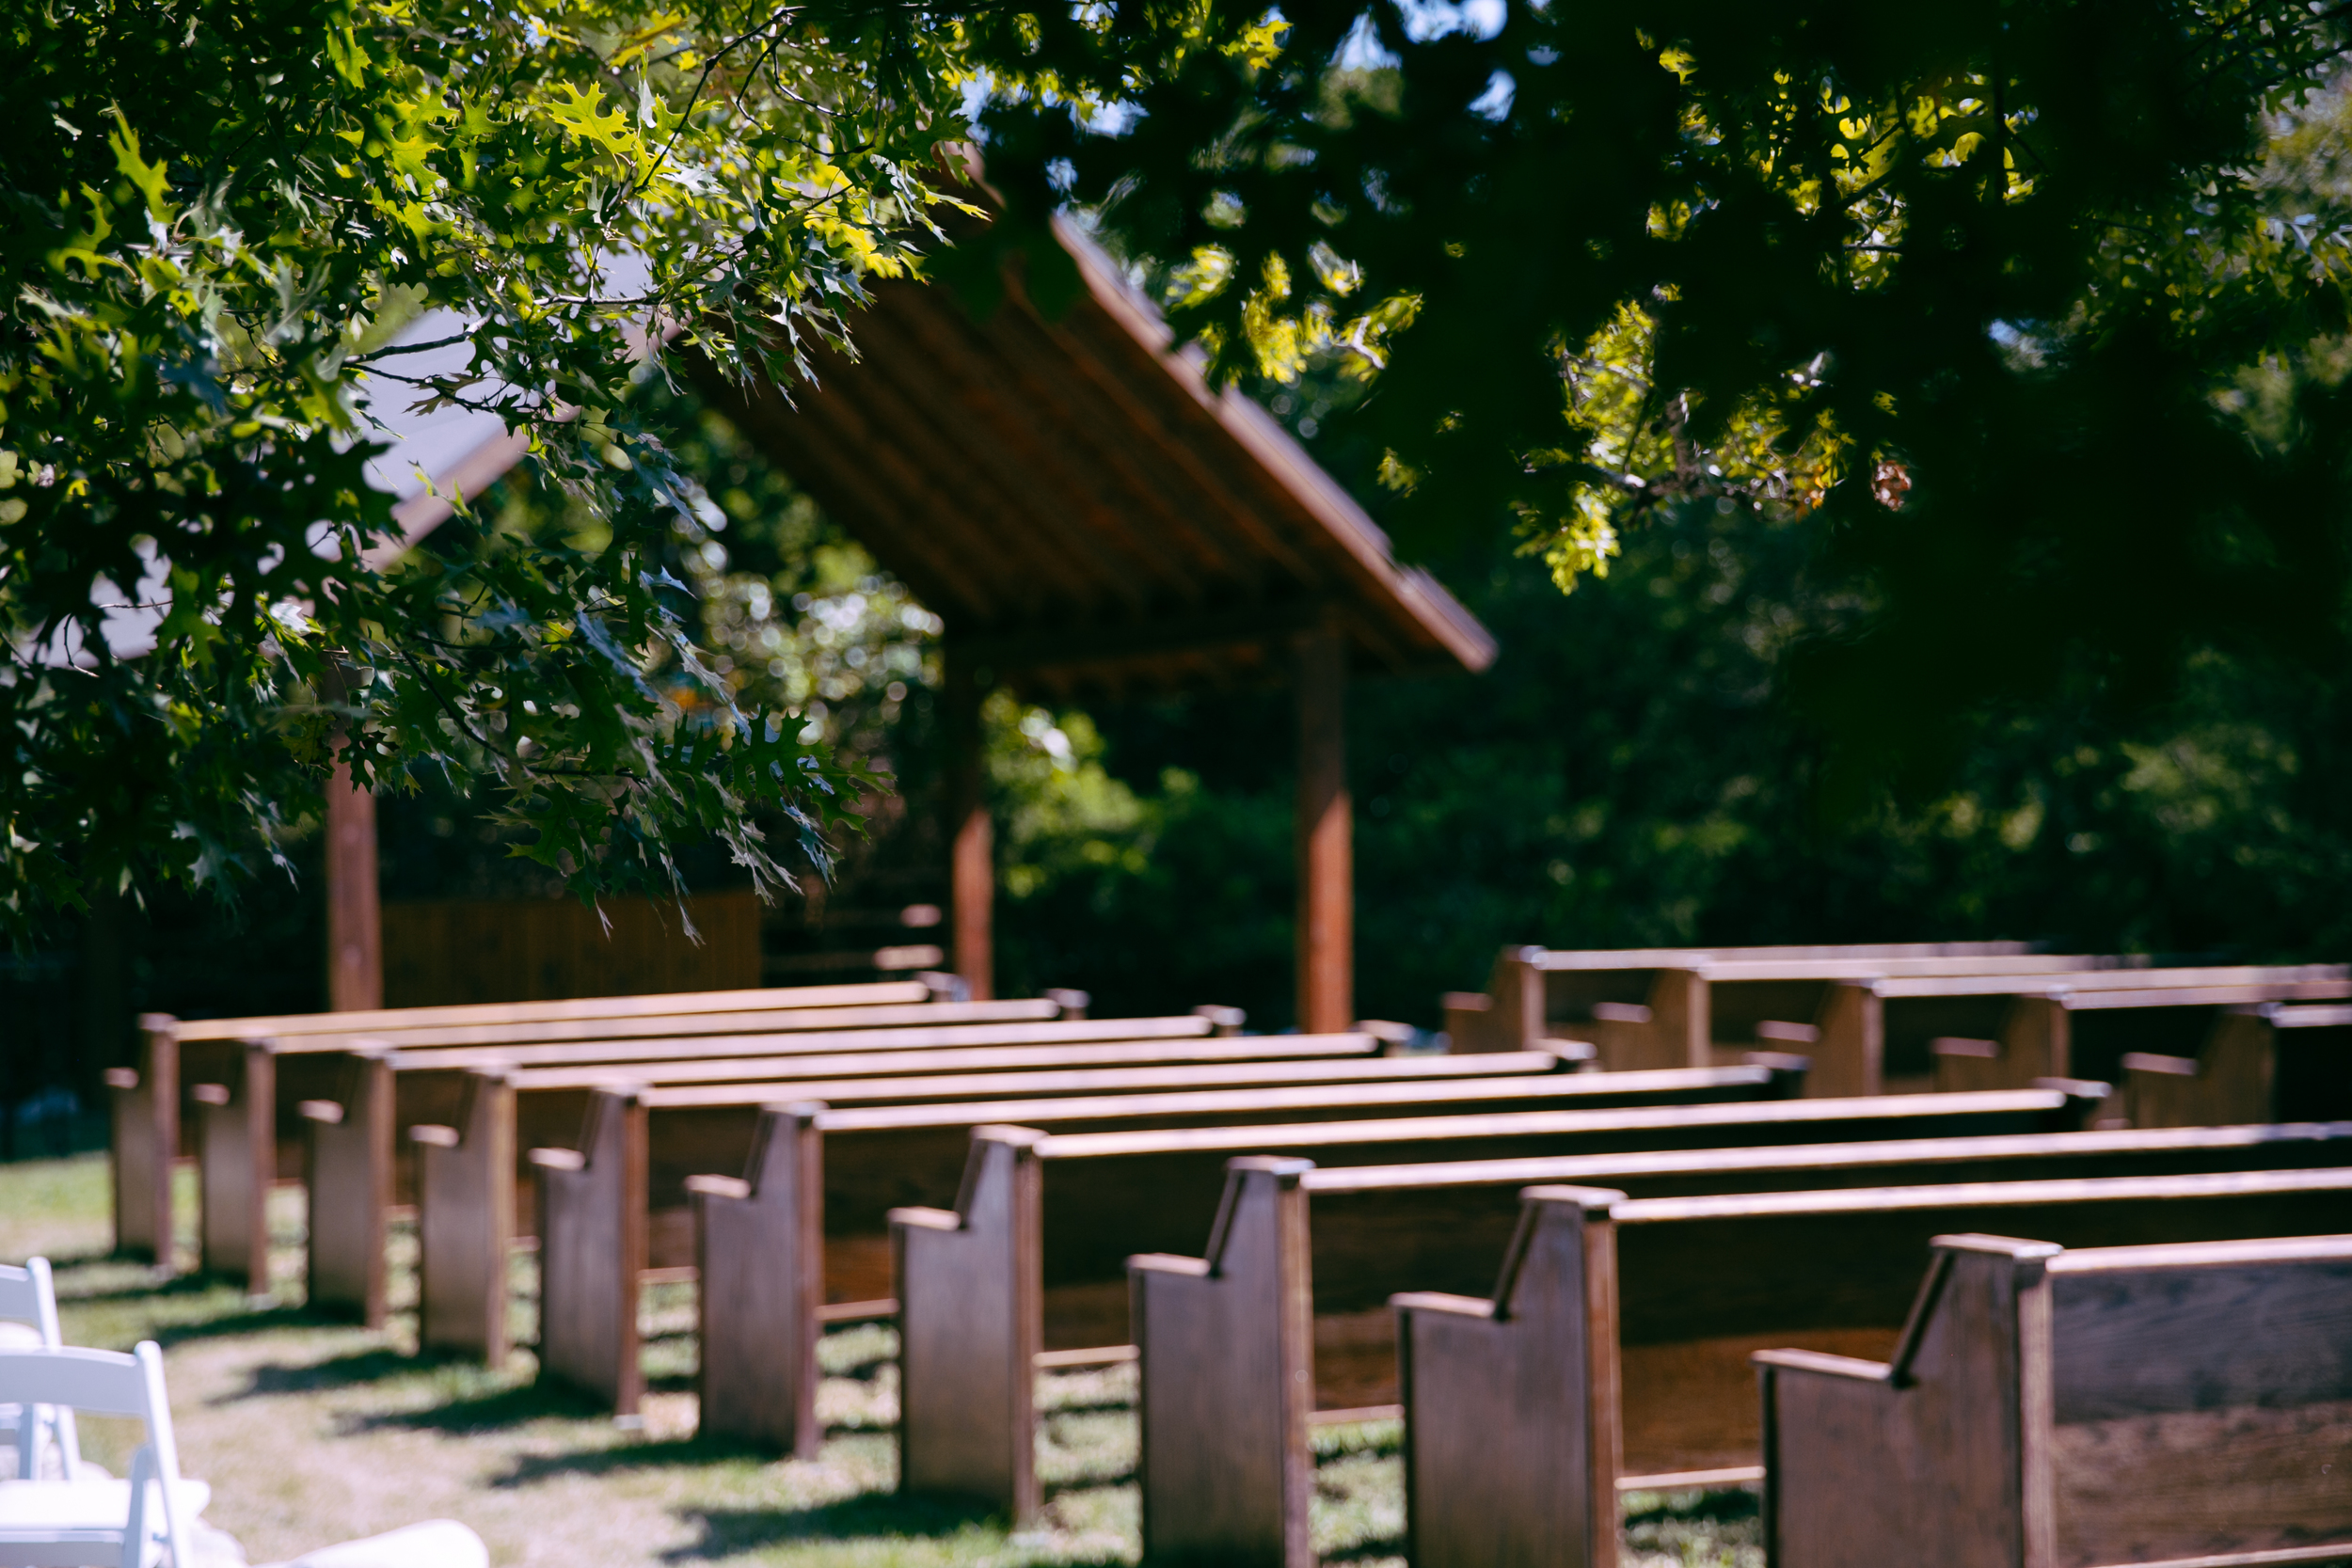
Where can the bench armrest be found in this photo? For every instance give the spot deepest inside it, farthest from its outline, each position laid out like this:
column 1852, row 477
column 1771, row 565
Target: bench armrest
column 558, row 1158
column 1852, row 1368
column 1438, row 1300
column 434, row 1138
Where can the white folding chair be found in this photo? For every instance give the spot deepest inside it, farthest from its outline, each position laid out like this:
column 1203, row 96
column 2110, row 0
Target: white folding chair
column 44, row 1434
column 90, row 1522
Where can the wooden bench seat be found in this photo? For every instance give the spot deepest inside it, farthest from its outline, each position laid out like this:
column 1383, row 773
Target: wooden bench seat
column 1220, row 1358
column 1664, row 1300
column 619, row 1202
column 1044, row 1226
column 2058, row 1408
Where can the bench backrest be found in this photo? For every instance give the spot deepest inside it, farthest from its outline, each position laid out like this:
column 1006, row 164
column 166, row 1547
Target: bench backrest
column 1220, row 1358
column 1658, row 1008
column 1692, row 1287
column 675, row 1004
column 1107, row 1194
column 2125, row 1404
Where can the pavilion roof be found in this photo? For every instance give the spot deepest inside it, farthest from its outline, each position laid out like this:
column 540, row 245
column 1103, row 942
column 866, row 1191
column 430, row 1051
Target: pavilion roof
column 1081, row 508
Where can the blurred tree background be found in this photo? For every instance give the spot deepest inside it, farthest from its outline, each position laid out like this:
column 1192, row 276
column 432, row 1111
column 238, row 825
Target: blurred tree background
column 1630, row 771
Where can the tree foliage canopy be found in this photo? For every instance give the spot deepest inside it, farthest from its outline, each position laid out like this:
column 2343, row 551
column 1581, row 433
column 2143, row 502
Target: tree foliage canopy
column 1978, row 291
column 218, row 216
column 2012, row 304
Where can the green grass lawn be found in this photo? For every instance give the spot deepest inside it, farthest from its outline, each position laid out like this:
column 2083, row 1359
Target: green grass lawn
column 313, row 1432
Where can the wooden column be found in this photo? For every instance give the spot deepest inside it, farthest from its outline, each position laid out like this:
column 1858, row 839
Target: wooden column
column 355, row 950
column 1327, row 877
column 972, row 869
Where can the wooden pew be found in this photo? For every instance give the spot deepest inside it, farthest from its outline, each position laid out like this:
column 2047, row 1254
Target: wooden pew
column 878, row 1159
column 1054, row 1219
column 1222, row 1359
column 146, row 1100
column 304, row 1079
column 1664, row 1300
column 1868, row 1019
column 2267, row 1062
column 1660, row 1007
column 2089, row 1029
column 354, row 1176
column 2068, row 1408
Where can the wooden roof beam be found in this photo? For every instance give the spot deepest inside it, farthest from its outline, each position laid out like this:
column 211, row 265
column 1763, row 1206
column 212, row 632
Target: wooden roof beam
column 1014, row 457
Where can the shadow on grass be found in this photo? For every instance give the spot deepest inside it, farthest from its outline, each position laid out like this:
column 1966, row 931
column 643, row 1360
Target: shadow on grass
column 340, row 1371
column 170, row 1285
column 258, row 1319
column 868, row 1516
column 541, row 1400
column 624, row 1458
column 1366, row 1551
column 1109, row 1477
column 1725, row 1506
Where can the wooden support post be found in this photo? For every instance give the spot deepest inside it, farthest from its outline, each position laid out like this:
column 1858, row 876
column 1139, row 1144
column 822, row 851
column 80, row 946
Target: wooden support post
column 1226, row 1349
column 1326, row 891
column 466, row 1221
column 972, row 867
column 355, row 948
column 760, row 1250
column 971, row 1315
column 349, row 1175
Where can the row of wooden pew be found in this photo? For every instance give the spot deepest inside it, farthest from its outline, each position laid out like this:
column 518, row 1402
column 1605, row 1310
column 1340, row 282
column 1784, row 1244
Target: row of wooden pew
column 784, row 1158
column 2185, row 1044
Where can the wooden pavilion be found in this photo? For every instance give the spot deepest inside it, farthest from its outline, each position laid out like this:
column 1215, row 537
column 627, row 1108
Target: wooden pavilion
column 1088, row 519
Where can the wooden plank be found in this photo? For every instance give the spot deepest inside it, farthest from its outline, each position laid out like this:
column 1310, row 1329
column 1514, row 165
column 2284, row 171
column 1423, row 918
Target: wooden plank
column 2201, row 1404
column 1008, row 1029
column 350, row 1184
column 457, row 951
column 466, row 1221
column 878, row 993
column 1308, row 1056
column 592, row 1251
column 651, row 1031
column 1224, row 1343
column 236, row 1160
column 759, row 1253
column 1510, row 1456
column 970, row 1299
